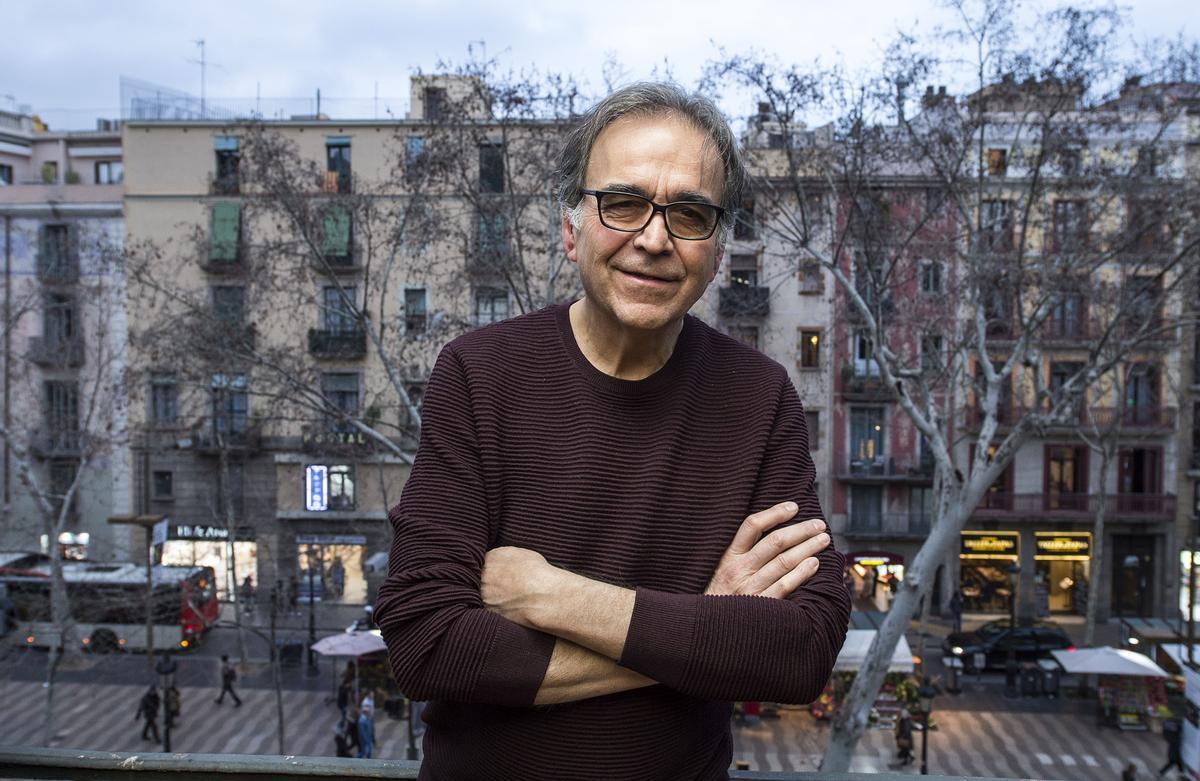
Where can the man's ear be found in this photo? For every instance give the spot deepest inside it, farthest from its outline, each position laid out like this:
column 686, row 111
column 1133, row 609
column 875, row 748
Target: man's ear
column 568, row 238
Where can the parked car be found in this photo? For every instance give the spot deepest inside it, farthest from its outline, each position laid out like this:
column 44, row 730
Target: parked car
column 994, row 639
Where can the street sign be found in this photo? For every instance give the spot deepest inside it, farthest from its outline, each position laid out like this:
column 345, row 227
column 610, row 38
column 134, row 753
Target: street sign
column 158, row 533
column 317, row 480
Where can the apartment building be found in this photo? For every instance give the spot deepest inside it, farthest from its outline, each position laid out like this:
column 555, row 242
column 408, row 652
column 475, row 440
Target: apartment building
column 64, row 336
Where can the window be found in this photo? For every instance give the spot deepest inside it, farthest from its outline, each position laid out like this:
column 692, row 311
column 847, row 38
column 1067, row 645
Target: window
column 49, row 172
column 1066, row 316
column 1060, row 374
column 491, row 168
column 491, row 306
column 341, row 391
column 6, row 174
column 920, row 508
column 931, row 276
column 163, row 488
column 811, row 278
column 62, row 477
column 1070, row 161
column 228, row 159
column 58, row 319
column 57, row 254
column 931, row 353
column 110, row 172
column 414, row 148
column 229, row 305
column 62, row 412
column 746, row 334
column 997, row 162
column 336, row 235
column 1147, row 161
column 866, row 439
column 743, row 270
column 743, row 228
column 1142, row 300
column 164, row 407
column 863, row 347
column 1070, row 225
column 1141, row 394
column 230, row 406
column 415, row 310
column 866, row 508
column 337, row 165
column 996, row 226
column 434, row 99
column 1147, row 226
column 813, row 419
column 491, row 238
column 1066, row 477
column 338, row 309
column 935, row 200
column 1139, row 470
column 810, row 349
column 224, row 232
column 341, row 487
column 999, row 493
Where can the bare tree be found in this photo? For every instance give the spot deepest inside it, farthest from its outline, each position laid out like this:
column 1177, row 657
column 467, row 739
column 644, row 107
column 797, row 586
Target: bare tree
column 1036, row 202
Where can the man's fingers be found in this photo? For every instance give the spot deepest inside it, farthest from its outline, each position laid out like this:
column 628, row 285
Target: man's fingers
column 782, row 540
column 753, row 527
column 781, row 588
column 783, row 564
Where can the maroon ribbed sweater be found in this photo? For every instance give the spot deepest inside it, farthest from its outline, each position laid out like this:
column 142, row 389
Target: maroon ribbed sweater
column 636, row 483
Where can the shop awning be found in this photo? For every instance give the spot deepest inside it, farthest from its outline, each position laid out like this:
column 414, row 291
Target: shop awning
column 1177, row 653
column 1108, row 661
column 854, row 653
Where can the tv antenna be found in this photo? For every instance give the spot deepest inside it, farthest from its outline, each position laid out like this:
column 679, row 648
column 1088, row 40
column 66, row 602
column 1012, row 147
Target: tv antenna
column 203, row 63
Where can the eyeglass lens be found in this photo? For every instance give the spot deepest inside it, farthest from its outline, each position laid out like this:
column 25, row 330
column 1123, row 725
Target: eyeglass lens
column 629, row 212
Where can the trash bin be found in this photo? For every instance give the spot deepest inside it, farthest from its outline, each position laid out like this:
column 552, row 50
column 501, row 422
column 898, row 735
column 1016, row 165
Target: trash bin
column 1031, row 680
column 290, row 653
column 1051, row 678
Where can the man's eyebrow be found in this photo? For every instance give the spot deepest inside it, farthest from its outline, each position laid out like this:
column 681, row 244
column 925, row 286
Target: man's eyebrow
column 691, row 196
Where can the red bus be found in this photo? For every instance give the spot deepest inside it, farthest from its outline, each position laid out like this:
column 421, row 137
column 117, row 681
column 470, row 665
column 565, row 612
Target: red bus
column 108, row 604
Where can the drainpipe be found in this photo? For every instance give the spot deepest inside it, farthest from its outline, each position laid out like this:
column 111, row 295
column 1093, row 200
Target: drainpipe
column 7, row 351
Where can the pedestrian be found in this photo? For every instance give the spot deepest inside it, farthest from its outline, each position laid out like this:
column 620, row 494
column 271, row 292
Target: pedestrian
column 228, row 677
column 904, row 737
column 293, row 595
column 337, row 576
column 368, row 701
column 1172, row 730
column 351, row 730
column 341, row 738
column 148, row 710
column 174, row 706
column 366, row 733
column 956, row 609
column 248, row 594
column 1129, row 773
column 345, row 694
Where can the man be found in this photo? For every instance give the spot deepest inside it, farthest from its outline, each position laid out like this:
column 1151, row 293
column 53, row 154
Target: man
column 148, row 712
column 610, row 531
column 228, row 676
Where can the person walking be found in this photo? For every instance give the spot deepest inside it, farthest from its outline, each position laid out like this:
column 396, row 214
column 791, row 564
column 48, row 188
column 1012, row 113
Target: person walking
column 366, row 732
column 1172, row 730
column 248, row 595
column 228, row 677
column 345, row 693
column 1129, row 773
column 148, row 710
column 904, row 737
column 956, row 609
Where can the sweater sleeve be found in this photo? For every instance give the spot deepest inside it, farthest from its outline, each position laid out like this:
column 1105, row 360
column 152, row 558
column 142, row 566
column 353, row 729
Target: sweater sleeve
column 442, row 642
column 747, row 647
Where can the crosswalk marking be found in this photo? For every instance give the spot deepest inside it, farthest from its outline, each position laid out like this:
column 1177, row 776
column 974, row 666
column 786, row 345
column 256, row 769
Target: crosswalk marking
column 1090, row 761
column 1045, row 759
column 1067, row 760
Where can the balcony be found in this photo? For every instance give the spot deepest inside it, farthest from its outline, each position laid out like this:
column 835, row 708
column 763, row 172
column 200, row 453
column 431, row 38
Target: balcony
column 744, row 301
column 881, row 470
column 1079, row 507
column 1139, row 418
column 1078, row 331
column 228, row 184
column 239, row 435
column 58, row 444
column 56, row 352
column 60, row 272
column 337, row 344
column 889, row 526
column 863, row 385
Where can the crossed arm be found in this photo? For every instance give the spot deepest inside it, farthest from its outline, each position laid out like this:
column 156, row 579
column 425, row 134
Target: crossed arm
column 591, row 619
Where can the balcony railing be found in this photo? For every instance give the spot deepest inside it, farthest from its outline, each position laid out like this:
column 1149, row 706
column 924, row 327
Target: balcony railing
column 85, row 765
column 56, row 352
column 858, row 470
column 63, row 271
column 1139, row 418
column 238, row 434
column 745, row 301
column 1079, row 330
column 889, row 525
column 59, row 443
column 1153, row 507
column 337, row 344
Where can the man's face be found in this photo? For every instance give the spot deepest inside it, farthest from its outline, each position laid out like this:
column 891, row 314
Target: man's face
column 647, row 280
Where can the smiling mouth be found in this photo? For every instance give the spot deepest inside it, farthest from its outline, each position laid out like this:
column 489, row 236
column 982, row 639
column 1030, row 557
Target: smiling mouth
column 645, row 277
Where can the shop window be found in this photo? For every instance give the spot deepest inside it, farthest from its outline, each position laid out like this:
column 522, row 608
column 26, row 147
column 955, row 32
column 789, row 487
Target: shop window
column 416, row 310
column 810, row 349
column 164, row 406
column 341, row 487
column 163, row 485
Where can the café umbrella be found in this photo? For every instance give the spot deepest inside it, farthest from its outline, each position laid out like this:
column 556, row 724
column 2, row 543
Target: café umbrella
column 1107, row 660
column 351, row 644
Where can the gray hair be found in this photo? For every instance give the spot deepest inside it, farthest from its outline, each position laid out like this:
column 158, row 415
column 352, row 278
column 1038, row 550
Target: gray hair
column 648, row 99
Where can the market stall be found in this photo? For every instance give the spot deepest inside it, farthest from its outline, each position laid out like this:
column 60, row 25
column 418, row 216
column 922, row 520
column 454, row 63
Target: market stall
column 1130, row 685
column 899, row 689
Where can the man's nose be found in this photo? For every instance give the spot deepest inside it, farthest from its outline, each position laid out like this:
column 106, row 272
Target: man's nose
column 654, row 238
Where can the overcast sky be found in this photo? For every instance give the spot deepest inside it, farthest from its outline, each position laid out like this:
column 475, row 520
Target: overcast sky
column 65, row 59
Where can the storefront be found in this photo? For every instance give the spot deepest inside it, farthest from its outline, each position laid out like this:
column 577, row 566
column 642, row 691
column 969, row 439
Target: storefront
column 873, row 576
column 984, row 559
column 213, row 546
column 333, row 565
column 1062, row 564
column 1185, row 566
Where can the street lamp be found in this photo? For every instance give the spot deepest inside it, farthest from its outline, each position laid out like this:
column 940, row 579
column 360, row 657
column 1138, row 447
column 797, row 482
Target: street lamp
column 1010, row 664
column 312, row 618
column 925, row 695
column 166, row 668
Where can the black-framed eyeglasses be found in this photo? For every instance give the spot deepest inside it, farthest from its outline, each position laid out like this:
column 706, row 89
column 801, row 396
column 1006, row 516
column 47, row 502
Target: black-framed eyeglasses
column 630, row 213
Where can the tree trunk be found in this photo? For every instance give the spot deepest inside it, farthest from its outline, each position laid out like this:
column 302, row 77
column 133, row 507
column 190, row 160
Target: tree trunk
column 230, row 565
column 61, row 616
column 1096, row 567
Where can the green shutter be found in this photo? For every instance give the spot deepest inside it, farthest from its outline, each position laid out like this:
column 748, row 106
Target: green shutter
column 226, row 221
column 337, row 231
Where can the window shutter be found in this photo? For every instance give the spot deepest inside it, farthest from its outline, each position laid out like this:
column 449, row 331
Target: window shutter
column 226, row 221
column 337, row 231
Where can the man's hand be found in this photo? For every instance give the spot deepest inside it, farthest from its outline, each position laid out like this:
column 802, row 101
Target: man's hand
column 512, row 581
column 774, row 565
